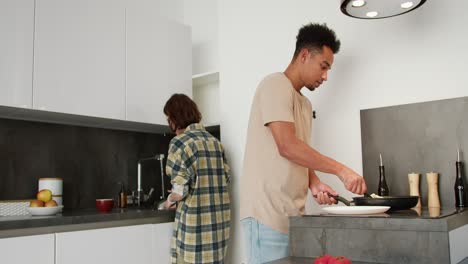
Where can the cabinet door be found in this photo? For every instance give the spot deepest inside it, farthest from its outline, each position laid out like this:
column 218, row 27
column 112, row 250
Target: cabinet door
column 180, row 62
column 16, row 52
column 159, row 61
column 29, row 249
column 120, row 245
column 147, row 55
column 162, row 236
column 79, row 64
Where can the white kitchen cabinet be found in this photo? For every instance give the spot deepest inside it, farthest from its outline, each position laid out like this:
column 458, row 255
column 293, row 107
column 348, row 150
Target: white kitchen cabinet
column 147, row 59
column 162, row 236
column 119, row 245
column 79, row 57
column 16, row 52
column 180, row 60
column 28, row 249
column 117, row 59
column 159, row 61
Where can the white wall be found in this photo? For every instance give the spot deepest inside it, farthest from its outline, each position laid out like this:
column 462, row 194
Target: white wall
column 416, row 57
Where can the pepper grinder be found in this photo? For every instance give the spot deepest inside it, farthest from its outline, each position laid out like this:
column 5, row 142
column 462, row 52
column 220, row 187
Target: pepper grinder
column 432, row 190
column 413, row 179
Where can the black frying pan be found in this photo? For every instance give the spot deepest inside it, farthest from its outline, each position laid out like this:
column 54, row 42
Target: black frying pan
column 395, row 202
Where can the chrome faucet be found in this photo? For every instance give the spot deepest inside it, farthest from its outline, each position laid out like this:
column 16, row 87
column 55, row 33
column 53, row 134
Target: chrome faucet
column 161, row 164
column 140, row 194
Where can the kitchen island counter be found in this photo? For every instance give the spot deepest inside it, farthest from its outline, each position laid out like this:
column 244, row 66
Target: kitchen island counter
column 295, row 260
column 387, row 238
column 82, row 219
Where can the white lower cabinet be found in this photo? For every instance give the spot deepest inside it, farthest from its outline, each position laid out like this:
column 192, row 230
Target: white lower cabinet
column 142, row 244
column 162, row 236
column 119, row 245
column 28, row 249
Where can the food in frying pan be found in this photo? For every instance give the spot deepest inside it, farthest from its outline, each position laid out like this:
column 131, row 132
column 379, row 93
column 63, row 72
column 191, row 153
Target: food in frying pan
column 373, row 195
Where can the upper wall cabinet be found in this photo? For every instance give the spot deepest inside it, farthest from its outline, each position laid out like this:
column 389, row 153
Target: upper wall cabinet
column 117, row 59
column 79, row 57
column 16, row 52
column 159, row 61
column 147, row 57
column 180, row 58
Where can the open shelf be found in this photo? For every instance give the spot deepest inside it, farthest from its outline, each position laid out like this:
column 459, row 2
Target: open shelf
column 205, row 78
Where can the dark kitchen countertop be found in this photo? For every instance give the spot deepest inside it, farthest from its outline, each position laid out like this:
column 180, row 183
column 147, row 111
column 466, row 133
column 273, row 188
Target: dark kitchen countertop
column 81, row 219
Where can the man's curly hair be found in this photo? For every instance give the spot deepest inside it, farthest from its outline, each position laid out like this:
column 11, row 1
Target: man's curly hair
column 314, row 36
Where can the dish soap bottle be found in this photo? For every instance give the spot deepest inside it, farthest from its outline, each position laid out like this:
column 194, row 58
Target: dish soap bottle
column 460, row 196
column 383, row 188
column 122, row 197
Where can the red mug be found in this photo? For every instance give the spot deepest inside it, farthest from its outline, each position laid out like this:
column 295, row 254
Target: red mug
column 104, row 205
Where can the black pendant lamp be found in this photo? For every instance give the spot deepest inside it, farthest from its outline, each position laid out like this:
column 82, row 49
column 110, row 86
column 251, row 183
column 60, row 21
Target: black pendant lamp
column 375, row 9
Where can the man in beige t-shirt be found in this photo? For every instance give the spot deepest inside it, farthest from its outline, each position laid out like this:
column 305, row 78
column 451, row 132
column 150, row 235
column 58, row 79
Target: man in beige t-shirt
column 279, row 164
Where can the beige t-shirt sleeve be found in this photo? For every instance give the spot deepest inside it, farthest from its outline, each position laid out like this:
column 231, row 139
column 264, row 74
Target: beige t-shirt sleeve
column 276, row 101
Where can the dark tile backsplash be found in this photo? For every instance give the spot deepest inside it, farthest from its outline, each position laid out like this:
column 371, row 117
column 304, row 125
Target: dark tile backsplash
column 91, row 161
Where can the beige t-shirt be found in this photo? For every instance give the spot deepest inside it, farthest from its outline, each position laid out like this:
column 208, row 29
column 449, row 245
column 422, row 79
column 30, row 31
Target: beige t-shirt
column 272, row 187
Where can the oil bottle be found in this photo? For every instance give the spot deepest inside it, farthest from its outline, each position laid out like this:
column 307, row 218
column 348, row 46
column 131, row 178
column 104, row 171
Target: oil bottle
column 459, row 188
column 383, row 188
column 122, row 197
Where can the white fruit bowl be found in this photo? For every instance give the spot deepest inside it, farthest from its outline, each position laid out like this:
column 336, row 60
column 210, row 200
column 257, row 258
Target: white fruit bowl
column 44, row 210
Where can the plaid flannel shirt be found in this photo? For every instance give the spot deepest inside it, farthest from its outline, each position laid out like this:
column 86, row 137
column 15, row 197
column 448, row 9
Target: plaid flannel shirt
column 202, row 222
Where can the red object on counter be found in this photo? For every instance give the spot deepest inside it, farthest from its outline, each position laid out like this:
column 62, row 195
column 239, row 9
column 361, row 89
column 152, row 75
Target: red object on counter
column 104, row 205
column 323, row 259
column 329, row 259
column 339, row 260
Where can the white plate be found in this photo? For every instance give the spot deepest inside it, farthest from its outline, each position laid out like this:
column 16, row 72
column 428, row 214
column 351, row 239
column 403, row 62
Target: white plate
column 44, row 210
column 355, row 210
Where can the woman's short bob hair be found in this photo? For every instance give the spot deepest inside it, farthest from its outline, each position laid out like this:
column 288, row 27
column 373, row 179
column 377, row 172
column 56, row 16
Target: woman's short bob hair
column 181, row 111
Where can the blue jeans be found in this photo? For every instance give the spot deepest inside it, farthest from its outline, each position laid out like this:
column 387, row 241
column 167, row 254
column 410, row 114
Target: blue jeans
column 263, row 244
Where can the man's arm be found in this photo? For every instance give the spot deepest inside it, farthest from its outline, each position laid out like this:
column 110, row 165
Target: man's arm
column 297, row 151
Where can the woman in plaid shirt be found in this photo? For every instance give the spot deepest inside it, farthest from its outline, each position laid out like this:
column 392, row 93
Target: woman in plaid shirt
column 199, row 176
